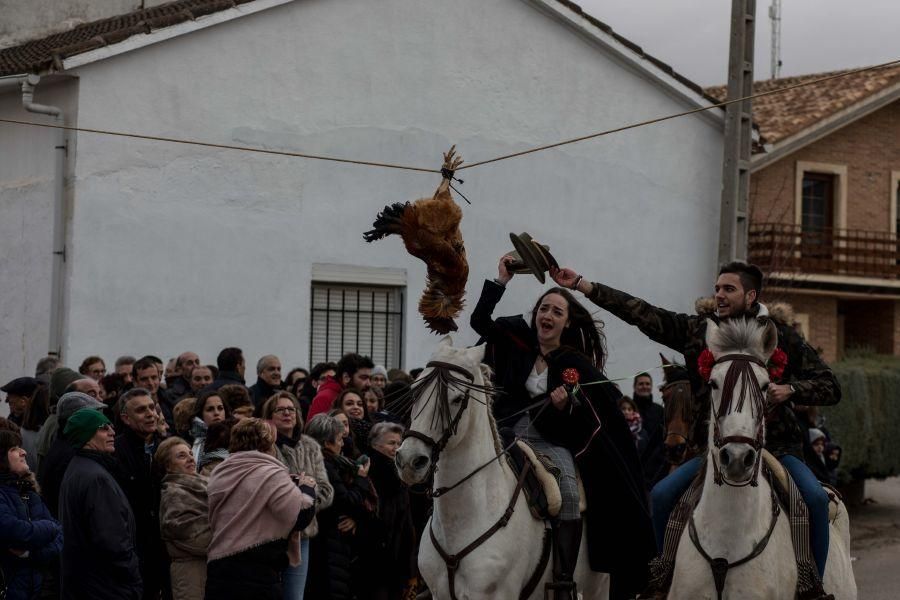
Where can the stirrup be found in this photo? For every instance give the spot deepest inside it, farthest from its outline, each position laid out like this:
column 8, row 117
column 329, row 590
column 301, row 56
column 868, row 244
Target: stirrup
column 560, row 589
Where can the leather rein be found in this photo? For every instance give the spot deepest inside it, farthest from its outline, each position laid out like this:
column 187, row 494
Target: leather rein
column 452, row 561
column 739, row 369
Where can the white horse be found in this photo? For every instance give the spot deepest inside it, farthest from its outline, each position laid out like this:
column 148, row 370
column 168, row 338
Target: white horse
column 460, row 435
column 736, row 521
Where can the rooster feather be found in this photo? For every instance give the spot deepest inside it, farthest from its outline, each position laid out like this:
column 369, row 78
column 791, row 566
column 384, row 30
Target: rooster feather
column 429, row 228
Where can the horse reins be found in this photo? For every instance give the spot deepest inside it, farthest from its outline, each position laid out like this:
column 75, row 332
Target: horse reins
column 451, row 561
column 740, row 371
column 721, row 566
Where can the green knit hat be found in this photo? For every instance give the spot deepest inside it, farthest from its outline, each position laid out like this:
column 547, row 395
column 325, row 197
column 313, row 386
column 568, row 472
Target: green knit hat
column 82, row 426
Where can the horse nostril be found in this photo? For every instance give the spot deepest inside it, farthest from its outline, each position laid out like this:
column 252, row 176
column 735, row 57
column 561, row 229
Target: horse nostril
column 750, row 458
column 420, row 463
column 724, row 457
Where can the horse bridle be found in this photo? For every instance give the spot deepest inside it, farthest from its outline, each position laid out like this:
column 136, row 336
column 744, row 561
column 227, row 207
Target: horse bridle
column 685, row 444
column 437, row 446
column 739, row 369
column 452, row 561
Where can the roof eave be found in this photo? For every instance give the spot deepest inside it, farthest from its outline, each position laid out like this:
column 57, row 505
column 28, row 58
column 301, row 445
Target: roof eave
column 165, row 33
column 825, row 127
column 631, row 56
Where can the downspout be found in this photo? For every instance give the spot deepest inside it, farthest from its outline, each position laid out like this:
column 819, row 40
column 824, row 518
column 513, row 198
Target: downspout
column 59, row 212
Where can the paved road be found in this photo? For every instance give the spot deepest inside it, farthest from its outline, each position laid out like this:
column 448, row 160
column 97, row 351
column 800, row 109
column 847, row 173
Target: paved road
column 875, row 541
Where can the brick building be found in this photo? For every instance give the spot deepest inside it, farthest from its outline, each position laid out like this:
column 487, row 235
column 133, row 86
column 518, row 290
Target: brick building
column 824, row 207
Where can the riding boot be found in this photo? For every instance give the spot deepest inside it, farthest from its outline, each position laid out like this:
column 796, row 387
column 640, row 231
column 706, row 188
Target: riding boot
column 566, row 544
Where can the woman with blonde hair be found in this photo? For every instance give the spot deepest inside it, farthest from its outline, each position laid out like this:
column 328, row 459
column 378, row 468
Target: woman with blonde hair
column 183, row 517
column 254, row 506
column 302, row 456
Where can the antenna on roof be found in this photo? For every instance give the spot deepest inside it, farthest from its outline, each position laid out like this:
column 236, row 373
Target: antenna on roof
column 775, row 19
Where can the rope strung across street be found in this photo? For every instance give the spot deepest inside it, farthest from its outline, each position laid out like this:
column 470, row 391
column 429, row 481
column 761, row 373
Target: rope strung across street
column 469, row 166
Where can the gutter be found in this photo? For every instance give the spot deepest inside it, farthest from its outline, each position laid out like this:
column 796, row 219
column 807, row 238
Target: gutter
column 59, row 222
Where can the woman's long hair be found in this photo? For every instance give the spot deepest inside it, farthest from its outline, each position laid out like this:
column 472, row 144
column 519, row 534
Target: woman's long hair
column 584, row 333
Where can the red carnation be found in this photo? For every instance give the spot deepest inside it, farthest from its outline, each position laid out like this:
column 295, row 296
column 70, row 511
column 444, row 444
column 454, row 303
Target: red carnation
column 570, row 376
column 705, row 363
column 777, row 362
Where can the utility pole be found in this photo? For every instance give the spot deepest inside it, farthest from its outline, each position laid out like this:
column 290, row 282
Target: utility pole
column 775, row 19
column 738, row 135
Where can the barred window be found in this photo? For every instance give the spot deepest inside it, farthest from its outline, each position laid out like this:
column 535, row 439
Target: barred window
column 367, row 320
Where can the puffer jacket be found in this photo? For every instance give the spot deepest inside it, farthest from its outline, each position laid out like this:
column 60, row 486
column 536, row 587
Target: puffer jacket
column 305, row 456
column 25, row 524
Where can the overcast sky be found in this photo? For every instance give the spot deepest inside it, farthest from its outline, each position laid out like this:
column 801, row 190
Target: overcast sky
column 816, row 35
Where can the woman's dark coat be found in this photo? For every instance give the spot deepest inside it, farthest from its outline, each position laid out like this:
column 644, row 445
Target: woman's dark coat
column 393, row 558
column 335, row 556
column 99, row 560
column 254, row 573
column 617, row 522
column 25, row 524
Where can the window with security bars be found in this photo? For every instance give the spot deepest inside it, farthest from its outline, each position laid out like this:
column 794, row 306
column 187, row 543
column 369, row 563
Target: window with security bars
column 367, row 320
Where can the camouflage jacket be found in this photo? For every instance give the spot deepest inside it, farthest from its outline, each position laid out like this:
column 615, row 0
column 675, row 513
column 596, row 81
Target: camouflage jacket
column 812, row 380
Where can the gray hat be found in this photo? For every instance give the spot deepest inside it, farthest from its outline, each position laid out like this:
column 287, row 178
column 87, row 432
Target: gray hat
column 60, row 380
column 72, row 401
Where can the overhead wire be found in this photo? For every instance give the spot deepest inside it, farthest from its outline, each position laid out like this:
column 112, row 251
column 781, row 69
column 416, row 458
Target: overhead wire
column 386, row 165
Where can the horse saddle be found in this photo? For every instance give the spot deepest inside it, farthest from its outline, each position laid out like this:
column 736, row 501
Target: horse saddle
column 781, row 476
column 542, row 482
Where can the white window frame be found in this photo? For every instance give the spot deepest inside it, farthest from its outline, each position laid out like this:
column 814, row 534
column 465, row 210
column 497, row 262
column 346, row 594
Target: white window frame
column 894, row 198
column 367, row 307
column 840, row 190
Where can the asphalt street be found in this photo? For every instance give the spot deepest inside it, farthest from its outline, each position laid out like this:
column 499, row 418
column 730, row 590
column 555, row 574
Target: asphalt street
column 875, row 541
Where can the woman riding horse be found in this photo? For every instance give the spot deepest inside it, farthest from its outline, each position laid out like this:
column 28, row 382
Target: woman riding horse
column 530, row 360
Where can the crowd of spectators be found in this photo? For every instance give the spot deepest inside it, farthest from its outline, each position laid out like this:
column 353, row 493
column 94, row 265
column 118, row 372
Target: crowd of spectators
column 178, row 480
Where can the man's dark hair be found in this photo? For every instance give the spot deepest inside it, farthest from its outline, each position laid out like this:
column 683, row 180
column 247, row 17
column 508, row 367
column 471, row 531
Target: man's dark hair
column 230, row 358
column 321, row 368
column 140, row 365
column 351, row 363
column 751, row 276
column 154, row 359
column 46, row 365
column 125, row 360
column 639, row 375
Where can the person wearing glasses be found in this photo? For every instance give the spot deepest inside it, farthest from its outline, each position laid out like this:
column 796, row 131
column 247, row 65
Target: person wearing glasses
column 303, row 457
column 98, row 556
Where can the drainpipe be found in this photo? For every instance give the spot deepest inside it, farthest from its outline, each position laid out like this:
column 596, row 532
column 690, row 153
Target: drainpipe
column 59, row 221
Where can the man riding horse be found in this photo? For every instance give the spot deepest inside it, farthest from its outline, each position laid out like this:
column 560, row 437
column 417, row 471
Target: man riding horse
column 806, row 380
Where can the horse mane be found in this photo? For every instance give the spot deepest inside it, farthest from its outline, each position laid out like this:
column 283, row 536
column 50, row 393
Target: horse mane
column 487, row 374
column 739, row 336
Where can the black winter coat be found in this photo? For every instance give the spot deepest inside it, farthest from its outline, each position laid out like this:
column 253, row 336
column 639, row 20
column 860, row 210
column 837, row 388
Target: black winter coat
column 334, row 556
column 394, row 557
column 53, row 469
column 25, row 524
column 617, row 523
column 260, row 392
column 143, row 494
column 99, row 561
column 254, row 573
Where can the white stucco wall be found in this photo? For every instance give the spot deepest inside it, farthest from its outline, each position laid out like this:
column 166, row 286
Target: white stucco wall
column 26, row 227
column 180, row 247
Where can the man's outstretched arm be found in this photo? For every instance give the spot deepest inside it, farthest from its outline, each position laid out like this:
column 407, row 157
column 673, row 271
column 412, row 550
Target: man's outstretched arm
column 662, row 326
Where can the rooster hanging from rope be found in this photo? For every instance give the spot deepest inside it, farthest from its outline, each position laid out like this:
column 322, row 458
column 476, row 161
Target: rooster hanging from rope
column 430, row 231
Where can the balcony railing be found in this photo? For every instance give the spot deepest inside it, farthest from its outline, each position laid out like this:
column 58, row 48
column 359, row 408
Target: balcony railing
column 777, row 247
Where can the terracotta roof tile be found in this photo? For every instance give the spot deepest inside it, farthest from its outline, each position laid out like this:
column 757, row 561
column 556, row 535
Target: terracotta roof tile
column 782, row 115
column 47, row 53
column 667, row 69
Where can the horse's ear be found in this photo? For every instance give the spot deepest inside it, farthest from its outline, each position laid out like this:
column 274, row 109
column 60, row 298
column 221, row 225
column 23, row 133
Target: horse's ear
column 446, row 341
column 712, row 336
column 770, row 339
column 476, row 353
column 665, row 362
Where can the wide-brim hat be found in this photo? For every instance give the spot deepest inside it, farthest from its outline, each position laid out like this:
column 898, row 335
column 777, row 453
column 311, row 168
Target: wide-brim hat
column 530, row 256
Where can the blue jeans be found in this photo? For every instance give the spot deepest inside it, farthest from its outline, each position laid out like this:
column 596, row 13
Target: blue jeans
column 816, row 500
column 294, row 578
column 665, row 496
column 668, row 491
